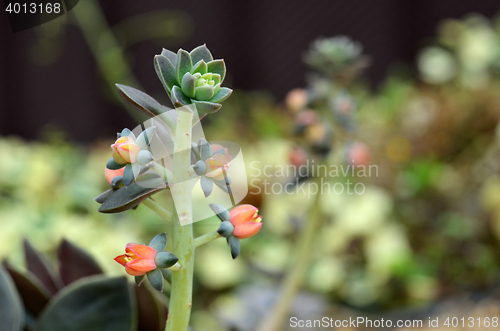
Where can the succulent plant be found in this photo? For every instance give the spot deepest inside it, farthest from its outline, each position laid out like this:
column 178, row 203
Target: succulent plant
column 193, row 78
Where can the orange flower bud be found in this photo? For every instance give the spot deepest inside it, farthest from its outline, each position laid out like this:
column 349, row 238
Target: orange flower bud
column 216, row 164
column 110, row 174
column 138, row 259
column 246, row 221
column 124, row 150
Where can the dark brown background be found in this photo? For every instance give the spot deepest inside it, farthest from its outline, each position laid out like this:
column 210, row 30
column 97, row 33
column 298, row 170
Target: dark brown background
column 261, row 41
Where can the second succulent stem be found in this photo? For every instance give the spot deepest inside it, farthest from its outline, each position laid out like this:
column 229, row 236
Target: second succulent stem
column 295, row 276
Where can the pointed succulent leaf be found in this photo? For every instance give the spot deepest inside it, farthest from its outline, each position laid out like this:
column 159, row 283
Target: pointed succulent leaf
column 75, row 263
column 223, row 185
column 145, row 137
column 216, row 89
column 39, row 265
column 159, row 242
column 167, row 275
column 201, row 53
column 128, row 175
column 221, row 95
column 139, row 279
column 113, row 165
column 188, row 85
column 128, row 197
column 205, row 149
column 200, row 168
column 155, row 278
column 217, row 67
column 117, row 182
column 171, row 56
column 221, row 212
column 144, row 157
column 206, row 107
column 225, row 229
column 125, row 133
column 234, row 245
column 216, row 78
column 204, row 93
column 165, row 260
column 200, row 67
column 11, row 308
column 141, row 101
column 207, row 185
column 104, row 196
column 91, row 303
column 195, row 150
column 33, row 294
column 183, row 64
column 178, row 98
column 166, row 72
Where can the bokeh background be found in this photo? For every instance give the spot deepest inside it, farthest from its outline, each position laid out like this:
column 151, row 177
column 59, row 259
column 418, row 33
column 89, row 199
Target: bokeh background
column 424, row 239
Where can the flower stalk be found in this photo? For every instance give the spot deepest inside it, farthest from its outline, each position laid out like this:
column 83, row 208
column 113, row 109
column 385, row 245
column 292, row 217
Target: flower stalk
column 206, row 238
column 162, row 212
column 295, row 276
column 182, row 235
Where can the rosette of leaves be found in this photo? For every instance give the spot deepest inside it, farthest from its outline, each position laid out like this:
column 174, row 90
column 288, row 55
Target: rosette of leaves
column 193, row 78
column 336, row 56
column 203, row 153
column 74, row 296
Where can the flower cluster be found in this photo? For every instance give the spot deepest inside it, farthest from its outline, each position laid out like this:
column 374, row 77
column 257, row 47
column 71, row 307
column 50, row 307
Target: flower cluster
column 241, row 222
column 193, row 78
column 129, row 153
column 212, row 165
column 140, row 260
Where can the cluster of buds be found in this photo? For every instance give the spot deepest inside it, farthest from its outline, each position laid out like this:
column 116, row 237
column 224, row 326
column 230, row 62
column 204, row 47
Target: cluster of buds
column 128, row 153
column 212, row 164
column 241, row 222
column 193, row 78
column 148, row 260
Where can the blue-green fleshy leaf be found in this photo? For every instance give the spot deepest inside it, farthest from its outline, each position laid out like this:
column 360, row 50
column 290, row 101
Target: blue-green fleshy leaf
column 217, row 67
column 201, row 53
column 183, row 64
column 200, row 67
column 166, row 72
column 113, row 165
column 159, row 242
column 206, row 107
column 221, row 95
column 155, row 278
column 178, row 98
column 220, row 211
column 188, row 85
column 207, row 185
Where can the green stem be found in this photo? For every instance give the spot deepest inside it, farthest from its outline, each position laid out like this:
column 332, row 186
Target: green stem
column 165, row 214
column 182, row 236
column 295, row 276
column 206, row 238
column 160, row 170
